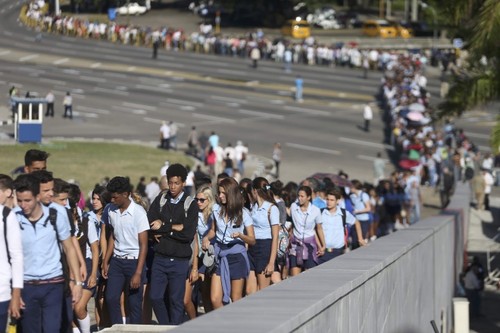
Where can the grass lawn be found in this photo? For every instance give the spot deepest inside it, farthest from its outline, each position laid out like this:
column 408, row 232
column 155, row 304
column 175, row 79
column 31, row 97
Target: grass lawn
column 89, row 162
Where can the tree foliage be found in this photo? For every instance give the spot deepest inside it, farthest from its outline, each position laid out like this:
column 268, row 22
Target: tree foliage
column 478, row 82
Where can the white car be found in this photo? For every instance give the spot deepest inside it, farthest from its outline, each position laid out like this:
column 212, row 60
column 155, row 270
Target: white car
column 132, row 8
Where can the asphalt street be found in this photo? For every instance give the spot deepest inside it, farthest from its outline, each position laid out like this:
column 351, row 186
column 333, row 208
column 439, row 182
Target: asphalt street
column 119, row 92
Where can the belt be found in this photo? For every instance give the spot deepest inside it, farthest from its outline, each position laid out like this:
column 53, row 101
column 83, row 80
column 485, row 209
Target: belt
column 55, row 280
column 126, row 257
column 331, row 249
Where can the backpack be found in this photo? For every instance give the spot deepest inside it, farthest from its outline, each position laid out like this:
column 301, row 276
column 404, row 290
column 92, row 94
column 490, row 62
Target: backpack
column 64, row 261
column 5, row 213
column 283, row 237
column 187, row 202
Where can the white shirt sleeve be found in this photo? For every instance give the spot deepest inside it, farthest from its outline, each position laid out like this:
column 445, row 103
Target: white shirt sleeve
column 15, row 250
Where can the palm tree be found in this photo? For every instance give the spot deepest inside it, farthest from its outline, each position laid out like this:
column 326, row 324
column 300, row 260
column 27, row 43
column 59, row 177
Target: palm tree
column 478, row 22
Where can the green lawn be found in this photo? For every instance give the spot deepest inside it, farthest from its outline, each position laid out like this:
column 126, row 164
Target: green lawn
column 89, row 162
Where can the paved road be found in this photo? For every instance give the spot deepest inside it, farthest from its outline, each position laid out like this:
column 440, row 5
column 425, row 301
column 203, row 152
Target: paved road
column 120, row 92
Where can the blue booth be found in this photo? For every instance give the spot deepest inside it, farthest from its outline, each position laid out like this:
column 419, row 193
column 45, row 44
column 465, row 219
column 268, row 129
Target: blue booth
column 29, row 119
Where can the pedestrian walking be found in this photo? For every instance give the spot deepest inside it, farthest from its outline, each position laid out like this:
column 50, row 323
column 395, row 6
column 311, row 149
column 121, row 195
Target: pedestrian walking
column 50, row 98
column 378, row 169
column 173, row 217
column 299, row 86
column 165, row 136
column 68, row 106
column 124, row 264
column 173, row 135
column 255, row 56
column 367, row 116
column 277, row 158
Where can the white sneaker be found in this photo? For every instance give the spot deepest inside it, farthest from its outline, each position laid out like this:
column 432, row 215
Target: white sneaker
column 372, row 238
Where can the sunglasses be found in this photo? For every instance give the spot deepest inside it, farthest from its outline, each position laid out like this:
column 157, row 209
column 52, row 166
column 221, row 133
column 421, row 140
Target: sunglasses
column 202, row 200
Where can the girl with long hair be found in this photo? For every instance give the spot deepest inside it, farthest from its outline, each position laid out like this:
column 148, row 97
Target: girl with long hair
column 232, row 229
column 266, row 221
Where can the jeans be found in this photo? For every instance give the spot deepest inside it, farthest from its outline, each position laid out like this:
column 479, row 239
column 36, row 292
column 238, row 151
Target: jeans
column 168, row 274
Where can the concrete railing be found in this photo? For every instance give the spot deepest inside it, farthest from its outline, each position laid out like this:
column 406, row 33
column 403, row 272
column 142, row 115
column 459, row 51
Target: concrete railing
column 397, row 284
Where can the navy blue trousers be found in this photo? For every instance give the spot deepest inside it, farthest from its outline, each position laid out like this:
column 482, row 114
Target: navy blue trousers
column 119, row 275
column 43, row 307
column 4, row 309
column 168, row 274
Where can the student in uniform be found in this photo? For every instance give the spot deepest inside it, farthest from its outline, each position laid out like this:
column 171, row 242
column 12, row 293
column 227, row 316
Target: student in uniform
column 205, row 200
column 125, row 259
column 307, row 241
column 362, row 209
column 99, row 200
column 333, row 226
column 35, row 160
column 266, row 219
column 11, row 267
column 174, row 222
column 43, row 271
column 232, row 229
column 89, row 244
column 7, row 197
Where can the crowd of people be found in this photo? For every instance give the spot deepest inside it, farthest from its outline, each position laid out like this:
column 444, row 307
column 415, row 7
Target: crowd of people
column 253, row 45
column 169, row 251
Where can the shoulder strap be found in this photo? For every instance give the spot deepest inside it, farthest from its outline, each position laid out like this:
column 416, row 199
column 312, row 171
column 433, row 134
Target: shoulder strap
column 344, row 224
column 53, row 220
column 187, row 204
column 5, row 213
column 163, row 199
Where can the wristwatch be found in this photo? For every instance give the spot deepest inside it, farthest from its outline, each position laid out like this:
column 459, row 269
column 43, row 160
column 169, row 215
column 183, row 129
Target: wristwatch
column 78, row 283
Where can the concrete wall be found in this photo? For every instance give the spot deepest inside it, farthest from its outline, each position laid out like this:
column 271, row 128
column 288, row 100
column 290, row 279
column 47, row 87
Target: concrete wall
column 398, row 284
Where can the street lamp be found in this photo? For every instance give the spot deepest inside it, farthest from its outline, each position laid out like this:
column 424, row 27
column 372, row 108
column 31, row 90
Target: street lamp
column 434, row 17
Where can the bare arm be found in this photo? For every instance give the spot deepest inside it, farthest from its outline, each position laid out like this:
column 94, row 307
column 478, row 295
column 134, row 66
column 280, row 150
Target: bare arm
column 135, row 282
column 74, row 267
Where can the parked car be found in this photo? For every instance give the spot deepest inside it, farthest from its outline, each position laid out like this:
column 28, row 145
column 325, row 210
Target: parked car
column 402, row 30
column 348, row 20
column 296, row 29
column 379, row 28
column 132, row 8
column 421, row 29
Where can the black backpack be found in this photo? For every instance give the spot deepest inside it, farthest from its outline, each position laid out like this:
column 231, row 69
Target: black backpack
column 5, row 213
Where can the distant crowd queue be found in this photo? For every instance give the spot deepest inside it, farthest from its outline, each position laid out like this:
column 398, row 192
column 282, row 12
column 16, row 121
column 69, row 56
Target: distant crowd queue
column 308, row 51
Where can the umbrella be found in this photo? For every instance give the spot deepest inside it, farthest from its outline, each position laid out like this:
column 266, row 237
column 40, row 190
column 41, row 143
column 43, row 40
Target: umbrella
column 336, row 179
column 407, row 164
column 414, row 116
column 417, row 107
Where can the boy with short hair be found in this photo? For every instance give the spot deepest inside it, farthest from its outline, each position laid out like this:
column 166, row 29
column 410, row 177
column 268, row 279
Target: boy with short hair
column 126, row 254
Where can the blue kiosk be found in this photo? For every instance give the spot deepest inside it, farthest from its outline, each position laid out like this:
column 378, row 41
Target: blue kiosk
column 29, row 119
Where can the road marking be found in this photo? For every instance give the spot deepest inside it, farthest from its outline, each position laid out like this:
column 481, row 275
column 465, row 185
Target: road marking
column 95, row 65
column 85, row 114
column 29, row 57
column 60, row 61
column 153, row 88
column 92, row 79
column 304, row 110
column 4, row 52
column 261, row 114
column 252, row 83
column 230, row 71
column 277, row 101
column 116, row 75
column 478, row 135
column 91, row 109
column 367, row 143
column 112, row 91
column 129, row 110
column 154, row 120
column 71, row 71
column 206, row 116
column 181, row 102
column 51, row 81
column 131, row 68
column 310, row 148
column 139, row 106
column 228, row 99
column 370, row 158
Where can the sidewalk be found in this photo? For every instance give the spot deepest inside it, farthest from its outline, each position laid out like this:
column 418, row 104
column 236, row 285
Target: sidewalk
column 484, row 225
